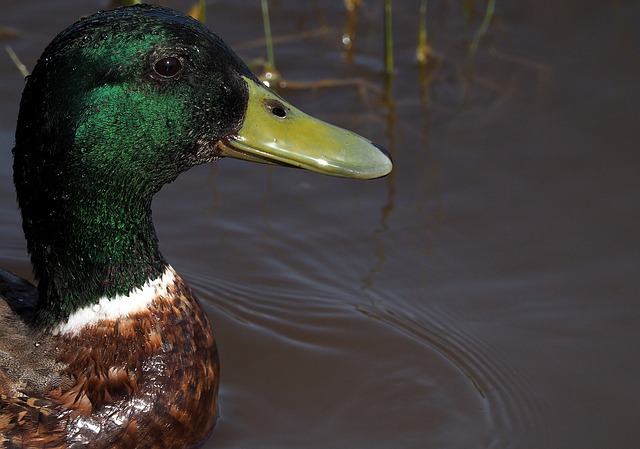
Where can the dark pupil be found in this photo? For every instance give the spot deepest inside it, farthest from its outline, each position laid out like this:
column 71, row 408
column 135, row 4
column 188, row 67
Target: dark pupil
column 280, row 112
column 168, row 67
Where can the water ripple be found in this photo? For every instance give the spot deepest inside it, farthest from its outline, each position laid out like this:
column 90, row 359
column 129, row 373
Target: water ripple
column 504, row 407
column 506, row 393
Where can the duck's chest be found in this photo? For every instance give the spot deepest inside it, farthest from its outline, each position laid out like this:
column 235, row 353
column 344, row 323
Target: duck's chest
column 149, row 379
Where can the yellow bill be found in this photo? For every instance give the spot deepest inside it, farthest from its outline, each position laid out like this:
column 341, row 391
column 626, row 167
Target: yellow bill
column 275, row 132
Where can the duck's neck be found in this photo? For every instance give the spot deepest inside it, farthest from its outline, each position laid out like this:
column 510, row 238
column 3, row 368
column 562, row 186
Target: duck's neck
column 93, row 244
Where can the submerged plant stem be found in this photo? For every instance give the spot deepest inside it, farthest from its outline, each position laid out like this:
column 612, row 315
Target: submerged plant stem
column 484, row 27
column 21, row 67
column 203, row 10
column 388, row 39
column 423, row 50
column 267, row 34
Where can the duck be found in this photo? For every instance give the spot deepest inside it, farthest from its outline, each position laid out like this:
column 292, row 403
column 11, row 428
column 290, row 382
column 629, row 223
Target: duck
column 110, row 348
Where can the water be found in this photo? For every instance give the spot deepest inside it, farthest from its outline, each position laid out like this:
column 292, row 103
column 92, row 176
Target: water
column 484, row 295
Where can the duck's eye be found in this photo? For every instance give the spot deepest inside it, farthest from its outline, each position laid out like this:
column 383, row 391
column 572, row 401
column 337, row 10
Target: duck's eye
column 168, row 67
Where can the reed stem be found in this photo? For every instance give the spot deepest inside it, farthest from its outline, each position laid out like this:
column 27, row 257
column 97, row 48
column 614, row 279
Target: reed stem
column 21, row 67
column 267, row 34
column 484, row 27
column 388, row 39
column 422, row 52
column 203, row 10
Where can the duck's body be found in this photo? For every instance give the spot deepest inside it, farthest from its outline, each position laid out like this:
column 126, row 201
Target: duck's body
column 111, row 349
column 118, row 383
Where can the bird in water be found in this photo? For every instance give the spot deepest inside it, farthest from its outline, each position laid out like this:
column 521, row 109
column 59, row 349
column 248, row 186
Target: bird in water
column 111, row 348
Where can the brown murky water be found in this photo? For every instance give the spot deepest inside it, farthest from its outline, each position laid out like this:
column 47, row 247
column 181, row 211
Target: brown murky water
column 484, row 296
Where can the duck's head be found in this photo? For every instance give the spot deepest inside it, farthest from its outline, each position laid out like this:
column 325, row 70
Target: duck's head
column 121, row 103
column 144, row 93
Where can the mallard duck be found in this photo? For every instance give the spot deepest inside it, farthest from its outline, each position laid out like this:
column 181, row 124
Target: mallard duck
column 111, row 348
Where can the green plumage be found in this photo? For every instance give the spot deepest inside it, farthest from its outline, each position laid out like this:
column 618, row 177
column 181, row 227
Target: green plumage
column 100, row 132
